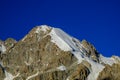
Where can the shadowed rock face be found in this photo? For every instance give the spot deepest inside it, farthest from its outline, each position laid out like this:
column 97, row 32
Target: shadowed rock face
column 1, row 72
column 36, row 57
column 91, row 51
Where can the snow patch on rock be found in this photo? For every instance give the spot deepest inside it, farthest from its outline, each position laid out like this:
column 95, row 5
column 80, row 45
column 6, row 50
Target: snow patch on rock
column 2, row 48
column 107, row 60
column 32, row 76
column 96, row 68
column 9, row 76
column 62, row 68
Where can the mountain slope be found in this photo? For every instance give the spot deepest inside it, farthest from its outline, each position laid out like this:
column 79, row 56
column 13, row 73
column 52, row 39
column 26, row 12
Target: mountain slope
column 48, row 53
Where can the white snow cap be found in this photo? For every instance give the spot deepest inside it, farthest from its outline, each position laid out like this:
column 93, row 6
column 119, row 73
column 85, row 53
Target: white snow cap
column 62, row 40
column 67, row 43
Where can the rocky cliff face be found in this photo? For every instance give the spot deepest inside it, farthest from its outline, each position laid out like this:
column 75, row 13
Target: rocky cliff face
column 48, row 53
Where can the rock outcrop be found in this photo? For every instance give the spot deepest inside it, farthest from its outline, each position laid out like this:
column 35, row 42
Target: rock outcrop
column 110, row 72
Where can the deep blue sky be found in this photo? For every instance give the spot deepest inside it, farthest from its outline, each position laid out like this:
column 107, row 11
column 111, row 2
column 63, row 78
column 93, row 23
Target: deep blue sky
column 97, row 21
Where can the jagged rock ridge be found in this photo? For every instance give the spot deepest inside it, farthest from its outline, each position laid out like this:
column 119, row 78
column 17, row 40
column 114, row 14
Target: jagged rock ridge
column 48, row 53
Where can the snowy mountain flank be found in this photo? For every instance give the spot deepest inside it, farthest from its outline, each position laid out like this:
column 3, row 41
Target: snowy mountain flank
column 48, row 53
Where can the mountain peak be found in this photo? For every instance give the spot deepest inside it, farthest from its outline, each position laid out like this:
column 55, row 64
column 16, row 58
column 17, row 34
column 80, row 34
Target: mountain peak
column 42, row 28
column 48, row 53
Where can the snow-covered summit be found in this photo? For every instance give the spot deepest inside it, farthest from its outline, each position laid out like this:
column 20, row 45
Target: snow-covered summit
column 60, row 38
column 43, row 28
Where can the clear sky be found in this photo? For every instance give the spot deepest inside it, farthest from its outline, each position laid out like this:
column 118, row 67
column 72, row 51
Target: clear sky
column 97, row 21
